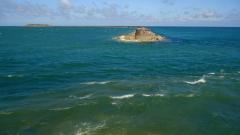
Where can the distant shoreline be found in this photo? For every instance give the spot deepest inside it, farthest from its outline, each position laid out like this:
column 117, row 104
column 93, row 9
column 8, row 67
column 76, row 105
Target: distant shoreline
column 37, row 25
column 49, row 26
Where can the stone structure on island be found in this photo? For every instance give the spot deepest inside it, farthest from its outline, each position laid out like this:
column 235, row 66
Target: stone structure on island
column 141, row 34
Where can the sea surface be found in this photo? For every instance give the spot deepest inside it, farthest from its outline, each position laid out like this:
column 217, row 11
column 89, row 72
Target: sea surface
column 80, row 81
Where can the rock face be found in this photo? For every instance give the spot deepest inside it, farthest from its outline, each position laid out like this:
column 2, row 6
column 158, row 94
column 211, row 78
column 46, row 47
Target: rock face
column 141, row 34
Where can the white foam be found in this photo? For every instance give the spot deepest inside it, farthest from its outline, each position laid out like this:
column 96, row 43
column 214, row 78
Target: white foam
column 85, row 97
column 87, row 128
column 146, row 95
column 201, row 80
column 161, row 95
column 221, row 77
column 153, row 95
column 60, row 109
column 190, row 95
column 211, row 73
column 114, row 103
column 11, row 76
column 92, row 83
column 123, row 96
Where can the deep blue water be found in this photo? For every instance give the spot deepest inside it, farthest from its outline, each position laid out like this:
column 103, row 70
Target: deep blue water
column 80, row 81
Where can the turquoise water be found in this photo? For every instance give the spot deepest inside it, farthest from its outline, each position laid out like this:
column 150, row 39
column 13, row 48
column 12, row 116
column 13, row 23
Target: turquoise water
column 79, row 81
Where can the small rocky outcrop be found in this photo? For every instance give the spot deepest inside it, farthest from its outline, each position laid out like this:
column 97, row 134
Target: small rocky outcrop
column 141, row 34
column 38, row 25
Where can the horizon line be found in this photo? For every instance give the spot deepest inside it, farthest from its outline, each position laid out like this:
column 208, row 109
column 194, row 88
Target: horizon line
column 49, row 25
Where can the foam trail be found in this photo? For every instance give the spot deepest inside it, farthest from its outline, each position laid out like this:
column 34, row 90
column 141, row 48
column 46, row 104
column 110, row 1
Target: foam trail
column 92, row 83
column 153, row 95
column 122, row 97
column 201, row 80
column 87, row 128
column 60, row 109
column 146, row 95
column 85, row 97
column 190, row 95
column 11, row 76
column 160, row 95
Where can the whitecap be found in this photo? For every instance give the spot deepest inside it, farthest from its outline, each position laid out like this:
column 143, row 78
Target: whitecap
column 87, row 128
column 153, row 95
column 201, row 80
column 123, row 96
column 11, row 76
column 60, row 109
column 161, row 95
column 85, row 97
column 146, row 95
column 93, row 83
column 190, row 95
column 221, row 77
column 114, row 103
column 212, row 73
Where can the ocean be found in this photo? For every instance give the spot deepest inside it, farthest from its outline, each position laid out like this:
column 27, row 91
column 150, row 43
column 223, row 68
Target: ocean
column 80, row 81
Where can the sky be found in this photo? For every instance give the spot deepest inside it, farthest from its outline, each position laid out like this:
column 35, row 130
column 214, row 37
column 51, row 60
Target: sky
column 121, row 12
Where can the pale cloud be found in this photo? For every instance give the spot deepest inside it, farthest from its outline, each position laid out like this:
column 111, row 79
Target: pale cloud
column 199, row 15
column 234, row 14
column 168, row 2
column 10, row 8
column 207, row 14
column 65, row 4
column 107, row 13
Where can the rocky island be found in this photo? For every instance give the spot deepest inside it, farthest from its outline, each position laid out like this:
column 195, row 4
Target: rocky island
column 38, row 25
column 141, row 34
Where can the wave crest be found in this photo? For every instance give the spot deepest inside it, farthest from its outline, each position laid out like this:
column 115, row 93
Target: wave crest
column 123, row 96
column 87, row 128
column 93, row 83
column 201, row 80
column 153, row 95
column 60, row 109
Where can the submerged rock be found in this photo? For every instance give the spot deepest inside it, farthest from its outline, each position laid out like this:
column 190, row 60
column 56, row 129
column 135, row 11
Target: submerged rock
column 141, row 34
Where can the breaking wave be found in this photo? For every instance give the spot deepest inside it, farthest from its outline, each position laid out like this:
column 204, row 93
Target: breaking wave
column 201, row 80
column 132, row 95
column 212, row 73
column 153, row 95
column 123, row 96
column 83, row 97
column 87, row 128
column 13, row 76
column 93, row 83
column 190, row 95
column 60, row 109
